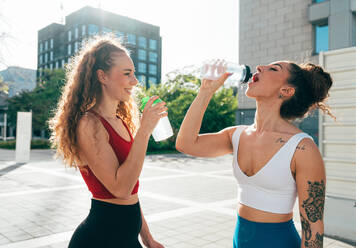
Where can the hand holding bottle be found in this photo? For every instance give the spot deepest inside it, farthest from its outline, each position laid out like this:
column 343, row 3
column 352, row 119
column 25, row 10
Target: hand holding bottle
column 215, row 69
column 211, row 86
column 162, row 129
column 151, row 114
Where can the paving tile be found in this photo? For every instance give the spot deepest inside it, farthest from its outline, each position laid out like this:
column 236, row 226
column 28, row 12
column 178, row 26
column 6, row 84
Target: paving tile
column 54, row 210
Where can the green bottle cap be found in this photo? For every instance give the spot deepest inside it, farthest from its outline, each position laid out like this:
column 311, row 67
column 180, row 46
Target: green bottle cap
column 145, row 100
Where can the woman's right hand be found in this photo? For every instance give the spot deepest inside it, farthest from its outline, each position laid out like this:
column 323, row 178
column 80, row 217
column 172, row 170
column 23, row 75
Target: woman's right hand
column 152, row 114
column 211, row 86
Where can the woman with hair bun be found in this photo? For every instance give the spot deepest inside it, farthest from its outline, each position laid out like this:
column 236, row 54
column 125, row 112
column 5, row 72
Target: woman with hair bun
column 273, row 161
column 96, row 129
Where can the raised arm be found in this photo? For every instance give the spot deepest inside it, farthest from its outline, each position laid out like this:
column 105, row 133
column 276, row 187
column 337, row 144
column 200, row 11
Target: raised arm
column 93, row 143
column 311, row 181
column 189, row 140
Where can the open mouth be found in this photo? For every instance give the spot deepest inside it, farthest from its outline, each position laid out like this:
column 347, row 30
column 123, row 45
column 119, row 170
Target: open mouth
column 254, row 78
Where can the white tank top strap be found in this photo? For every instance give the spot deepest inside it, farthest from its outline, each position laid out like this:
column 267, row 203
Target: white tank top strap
column 237, row 133
column 282, row 160
column 300, row 136
column 295, row 140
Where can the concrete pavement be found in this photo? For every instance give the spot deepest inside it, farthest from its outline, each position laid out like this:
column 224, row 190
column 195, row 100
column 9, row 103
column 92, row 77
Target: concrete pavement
column 187, row 202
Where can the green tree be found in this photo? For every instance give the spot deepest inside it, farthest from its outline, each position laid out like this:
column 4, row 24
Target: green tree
column 3, row 86
column 41, row 101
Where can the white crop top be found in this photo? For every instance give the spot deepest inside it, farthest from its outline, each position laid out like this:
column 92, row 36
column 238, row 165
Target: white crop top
column 272, row 188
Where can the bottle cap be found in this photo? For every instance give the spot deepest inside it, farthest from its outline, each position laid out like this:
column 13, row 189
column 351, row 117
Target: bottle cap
column 145, row 100
column 248, row 74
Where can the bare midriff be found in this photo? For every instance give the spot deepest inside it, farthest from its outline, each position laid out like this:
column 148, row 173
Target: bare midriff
column 256, row 215
column 133, row 199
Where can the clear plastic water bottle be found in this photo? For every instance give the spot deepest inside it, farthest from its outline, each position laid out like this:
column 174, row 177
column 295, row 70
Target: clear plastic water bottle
column 213, row 69
column 163, row 129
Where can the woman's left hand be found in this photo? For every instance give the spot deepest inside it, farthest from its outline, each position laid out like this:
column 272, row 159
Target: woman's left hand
column 152, row 244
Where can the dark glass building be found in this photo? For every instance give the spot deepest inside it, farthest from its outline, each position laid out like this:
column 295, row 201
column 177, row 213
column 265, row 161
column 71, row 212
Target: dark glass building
column 57, row 43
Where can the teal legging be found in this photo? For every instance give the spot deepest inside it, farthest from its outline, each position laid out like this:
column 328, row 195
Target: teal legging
column 249, row 234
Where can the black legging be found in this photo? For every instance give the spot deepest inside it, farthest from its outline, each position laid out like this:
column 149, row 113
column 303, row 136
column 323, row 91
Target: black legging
column 109, row 225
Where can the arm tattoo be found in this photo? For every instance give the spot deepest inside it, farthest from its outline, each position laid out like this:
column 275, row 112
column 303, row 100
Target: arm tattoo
column 317, row 243
column 301, row 147
column 305, row 227
column 280, row 140
column 314, row 208
column 314, row 205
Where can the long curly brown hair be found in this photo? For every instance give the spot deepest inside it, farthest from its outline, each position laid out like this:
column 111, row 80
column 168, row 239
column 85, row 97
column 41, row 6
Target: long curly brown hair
column 80, row 93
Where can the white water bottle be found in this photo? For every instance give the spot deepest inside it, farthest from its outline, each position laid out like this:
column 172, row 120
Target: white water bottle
column 163, row 130
column 213, row 69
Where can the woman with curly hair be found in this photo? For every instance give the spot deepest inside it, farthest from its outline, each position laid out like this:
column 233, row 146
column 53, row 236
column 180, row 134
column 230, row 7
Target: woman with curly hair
column 273, row 161
column 96, row 129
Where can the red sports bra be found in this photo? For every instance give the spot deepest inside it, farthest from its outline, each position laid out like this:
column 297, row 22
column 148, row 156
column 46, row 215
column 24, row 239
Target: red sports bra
column 121, row 148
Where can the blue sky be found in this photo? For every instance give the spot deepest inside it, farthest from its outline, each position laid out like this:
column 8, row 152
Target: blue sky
column 191, row 30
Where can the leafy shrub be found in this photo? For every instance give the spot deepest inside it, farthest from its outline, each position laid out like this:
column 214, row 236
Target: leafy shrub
column 35, row 144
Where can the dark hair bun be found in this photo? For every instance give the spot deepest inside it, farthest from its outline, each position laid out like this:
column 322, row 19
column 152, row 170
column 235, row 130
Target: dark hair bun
column 311, row 85
column 319, row 81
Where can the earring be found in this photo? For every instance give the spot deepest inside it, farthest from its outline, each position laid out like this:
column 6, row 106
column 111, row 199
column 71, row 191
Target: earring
column 280, row 96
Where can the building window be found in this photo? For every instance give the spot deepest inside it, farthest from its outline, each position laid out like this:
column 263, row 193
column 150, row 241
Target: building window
column 142, row 67
column 153, row 57
column 153, row 44
column 46, row 45
column 41, row 47
column 69, row 60
column 152, row 80
column 321, row 38
column 51, row 56
column 76, row 33
column 93, row 29
column 106, row 30
column 142, row 42
column 51, row 66
column 119, row 34
column 76, row 45
column 57, row 64
column 142, row 79
column 41, row 59
column 46, row 58
column 69, row 35
column 152, row 69
column 51, row 43
column 142, row 54
column 131, row 39
column 63, row 62
column 69, row 49
column 83, row 30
